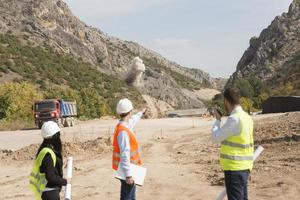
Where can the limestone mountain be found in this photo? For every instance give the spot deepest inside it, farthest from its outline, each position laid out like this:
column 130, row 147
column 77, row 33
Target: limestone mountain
column 274, row 56
column 51, row 23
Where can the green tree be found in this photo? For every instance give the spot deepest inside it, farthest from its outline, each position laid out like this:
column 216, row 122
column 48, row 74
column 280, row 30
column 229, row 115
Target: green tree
column 261, row 99
column 16, row 101
column 246, row 88
column 93, row 105
column 217, row 103
column 247, row 104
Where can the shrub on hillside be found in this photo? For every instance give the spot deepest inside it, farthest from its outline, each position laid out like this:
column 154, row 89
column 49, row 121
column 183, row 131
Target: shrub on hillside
column 247, row 104
column 16, row 100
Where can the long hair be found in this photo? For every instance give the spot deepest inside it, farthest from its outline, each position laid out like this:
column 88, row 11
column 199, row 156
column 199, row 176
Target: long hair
column 54, row 143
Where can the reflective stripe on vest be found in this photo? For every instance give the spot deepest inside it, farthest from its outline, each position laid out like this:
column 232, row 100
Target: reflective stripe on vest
column 224, row 156
column 36, row 186
column 237, row 151
column 39, row 177
column 37, row 180
column 134, row 147
column 232, row 144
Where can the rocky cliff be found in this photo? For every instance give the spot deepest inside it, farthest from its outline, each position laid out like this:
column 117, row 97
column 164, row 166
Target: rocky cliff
column 50, row 22
column 274, row 56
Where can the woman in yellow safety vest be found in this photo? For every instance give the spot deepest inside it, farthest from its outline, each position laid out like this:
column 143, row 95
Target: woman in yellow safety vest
column 46, row 176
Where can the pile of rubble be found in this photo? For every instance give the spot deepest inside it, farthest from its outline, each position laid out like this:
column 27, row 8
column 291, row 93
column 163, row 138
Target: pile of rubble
column 90, row 147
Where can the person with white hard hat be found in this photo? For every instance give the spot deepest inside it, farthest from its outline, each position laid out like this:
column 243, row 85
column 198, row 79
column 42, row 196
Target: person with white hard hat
column 46, row 176
column 126, row 147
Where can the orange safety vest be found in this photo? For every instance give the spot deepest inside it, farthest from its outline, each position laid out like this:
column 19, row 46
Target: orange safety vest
column 134, row 147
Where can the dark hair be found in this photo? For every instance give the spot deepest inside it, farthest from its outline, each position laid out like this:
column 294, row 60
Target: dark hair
column 54, row 143
column 232, row 95
column 124, row 114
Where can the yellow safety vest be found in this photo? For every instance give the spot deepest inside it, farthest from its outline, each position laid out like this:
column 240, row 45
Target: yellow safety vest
column 37, row 180
column 237, row 151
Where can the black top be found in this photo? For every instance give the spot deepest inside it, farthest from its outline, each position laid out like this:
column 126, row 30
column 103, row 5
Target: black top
column 54, row 174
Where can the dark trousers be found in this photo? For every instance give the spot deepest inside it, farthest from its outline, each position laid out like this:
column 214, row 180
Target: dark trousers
column 127, row 191
column 51, row 195
column 236, row 184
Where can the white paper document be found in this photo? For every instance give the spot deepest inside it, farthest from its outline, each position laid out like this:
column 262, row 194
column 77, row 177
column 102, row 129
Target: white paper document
column 139, row 174
column 68, row 188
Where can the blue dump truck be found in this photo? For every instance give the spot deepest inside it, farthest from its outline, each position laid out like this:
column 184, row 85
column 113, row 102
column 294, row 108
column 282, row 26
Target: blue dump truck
column 60, row 111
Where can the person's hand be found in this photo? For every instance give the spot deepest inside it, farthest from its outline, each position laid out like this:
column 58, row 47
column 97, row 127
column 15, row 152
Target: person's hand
column 129, row 180
column 144, row 111
column 217, row 115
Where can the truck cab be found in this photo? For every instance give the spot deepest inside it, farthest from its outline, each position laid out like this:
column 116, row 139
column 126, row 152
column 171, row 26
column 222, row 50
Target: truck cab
column 46, row 110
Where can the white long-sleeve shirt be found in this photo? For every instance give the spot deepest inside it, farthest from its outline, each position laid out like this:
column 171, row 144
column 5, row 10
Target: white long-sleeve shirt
column 230, row 128
column 124, row 144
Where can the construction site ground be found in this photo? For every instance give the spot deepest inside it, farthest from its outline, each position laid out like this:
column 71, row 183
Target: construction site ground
column 181, row 160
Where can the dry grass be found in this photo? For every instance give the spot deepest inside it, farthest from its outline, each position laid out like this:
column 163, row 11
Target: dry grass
column 15, row 125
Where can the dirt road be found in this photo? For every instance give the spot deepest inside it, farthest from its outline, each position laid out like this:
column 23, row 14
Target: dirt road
column 181, row 161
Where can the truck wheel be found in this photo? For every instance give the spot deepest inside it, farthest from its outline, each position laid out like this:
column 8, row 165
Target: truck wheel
column 40, row 125
column 60, row 123
column 72, row 122
column 67, row 122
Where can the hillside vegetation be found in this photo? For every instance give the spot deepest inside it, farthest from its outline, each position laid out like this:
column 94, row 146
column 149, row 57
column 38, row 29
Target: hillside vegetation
column 53, row 75
column 253, row 93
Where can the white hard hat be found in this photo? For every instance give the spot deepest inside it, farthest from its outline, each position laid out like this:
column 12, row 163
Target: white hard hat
column 124, row 106
column 49, row 129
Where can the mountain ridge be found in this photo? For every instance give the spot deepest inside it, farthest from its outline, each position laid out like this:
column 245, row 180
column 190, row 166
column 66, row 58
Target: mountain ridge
column 274, row 57
column 51, row 22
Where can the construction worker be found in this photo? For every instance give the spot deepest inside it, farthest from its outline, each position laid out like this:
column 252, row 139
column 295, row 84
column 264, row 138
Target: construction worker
column 46, row 177
column 126, row 147
column 236, row 137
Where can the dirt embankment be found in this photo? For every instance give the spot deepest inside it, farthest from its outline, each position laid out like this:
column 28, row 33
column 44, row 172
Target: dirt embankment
column 283, row 128
column 276, row 173
column 88, row 148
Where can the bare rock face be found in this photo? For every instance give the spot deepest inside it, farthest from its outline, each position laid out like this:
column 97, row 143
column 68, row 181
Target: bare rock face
column 274, row 56
column 50, row 22
column 162, row 86
column 156, row 108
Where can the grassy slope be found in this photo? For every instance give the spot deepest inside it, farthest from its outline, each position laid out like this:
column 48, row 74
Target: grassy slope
column 44, row 67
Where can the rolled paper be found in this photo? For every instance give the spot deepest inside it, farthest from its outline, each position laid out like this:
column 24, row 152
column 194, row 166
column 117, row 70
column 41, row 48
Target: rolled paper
column 257, row 152
column 222, row 195
column 68, row 188
column 68, row 192
column 69, row 167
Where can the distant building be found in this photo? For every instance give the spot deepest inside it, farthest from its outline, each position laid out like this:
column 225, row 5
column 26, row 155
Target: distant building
column 281, row 104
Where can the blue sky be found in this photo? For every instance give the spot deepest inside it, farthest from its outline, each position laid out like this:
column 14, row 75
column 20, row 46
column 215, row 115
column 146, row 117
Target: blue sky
column 207, row 34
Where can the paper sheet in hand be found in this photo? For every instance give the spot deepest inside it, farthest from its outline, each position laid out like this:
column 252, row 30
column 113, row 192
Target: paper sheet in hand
column 139, row 174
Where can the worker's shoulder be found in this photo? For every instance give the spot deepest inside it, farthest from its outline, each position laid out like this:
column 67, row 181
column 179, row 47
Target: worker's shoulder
column 237, row 117
column 47, row 160
column 233, row 118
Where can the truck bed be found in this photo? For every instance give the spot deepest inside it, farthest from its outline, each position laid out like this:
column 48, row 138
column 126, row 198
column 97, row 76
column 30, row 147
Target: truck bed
column 68, row 108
